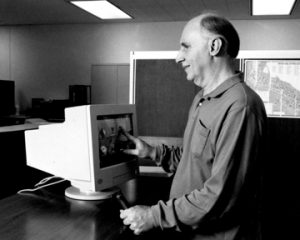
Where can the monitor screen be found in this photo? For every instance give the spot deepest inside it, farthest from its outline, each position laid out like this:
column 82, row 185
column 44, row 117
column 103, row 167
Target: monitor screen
column 112, row 140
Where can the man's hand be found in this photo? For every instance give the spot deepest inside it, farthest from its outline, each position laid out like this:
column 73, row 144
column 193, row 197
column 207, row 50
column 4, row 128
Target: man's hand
column 142, row 149
column 139, row 218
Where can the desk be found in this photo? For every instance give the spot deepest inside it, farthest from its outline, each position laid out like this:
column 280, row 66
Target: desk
column 18, row 127
column 48, row 214
column 30, row 123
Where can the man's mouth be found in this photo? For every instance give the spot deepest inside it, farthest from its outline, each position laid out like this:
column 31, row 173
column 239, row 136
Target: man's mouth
column 185, row 67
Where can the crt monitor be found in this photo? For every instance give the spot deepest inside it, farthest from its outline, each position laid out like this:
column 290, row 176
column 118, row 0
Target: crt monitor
column 86, row 149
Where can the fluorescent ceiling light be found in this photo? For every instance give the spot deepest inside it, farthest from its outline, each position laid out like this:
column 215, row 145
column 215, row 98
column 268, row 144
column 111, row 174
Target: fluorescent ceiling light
column 101, row 9
column 272, row 7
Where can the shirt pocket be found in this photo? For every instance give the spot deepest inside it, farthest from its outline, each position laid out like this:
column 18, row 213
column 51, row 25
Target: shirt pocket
column 199, row 139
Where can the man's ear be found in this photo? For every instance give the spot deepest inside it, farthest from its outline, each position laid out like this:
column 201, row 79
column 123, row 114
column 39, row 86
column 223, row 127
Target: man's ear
column 216, row 46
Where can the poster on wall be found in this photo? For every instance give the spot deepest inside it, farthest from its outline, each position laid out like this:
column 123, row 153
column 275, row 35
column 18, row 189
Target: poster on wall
column 277, row 82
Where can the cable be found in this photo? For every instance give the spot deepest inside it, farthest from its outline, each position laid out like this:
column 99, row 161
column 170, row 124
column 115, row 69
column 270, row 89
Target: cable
column 45, row 180
column 42, row 184
column 122, row 200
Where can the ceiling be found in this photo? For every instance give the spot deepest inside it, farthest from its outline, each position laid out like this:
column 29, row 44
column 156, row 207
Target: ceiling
column 28, row 12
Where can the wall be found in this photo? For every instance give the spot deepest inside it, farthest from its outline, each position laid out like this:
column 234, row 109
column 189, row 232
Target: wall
column 269, row 34
column 45, row 59
column 5, row 53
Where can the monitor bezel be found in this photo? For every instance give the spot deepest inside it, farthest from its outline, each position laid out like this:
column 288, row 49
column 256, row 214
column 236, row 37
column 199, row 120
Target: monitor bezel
column 99, row 174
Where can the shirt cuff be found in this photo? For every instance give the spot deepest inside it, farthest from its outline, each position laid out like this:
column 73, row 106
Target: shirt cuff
column 158, row 155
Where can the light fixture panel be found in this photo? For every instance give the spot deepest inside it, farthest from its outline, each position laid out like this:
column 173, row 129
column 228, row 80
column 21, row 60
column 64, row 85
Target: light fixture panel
column 102, row 9
column 272, row 7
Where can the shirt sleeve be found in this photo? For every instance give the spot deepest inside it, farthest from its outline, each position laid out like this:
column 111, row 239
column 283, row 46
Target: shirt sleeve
column 168, row 157
column 230, row 188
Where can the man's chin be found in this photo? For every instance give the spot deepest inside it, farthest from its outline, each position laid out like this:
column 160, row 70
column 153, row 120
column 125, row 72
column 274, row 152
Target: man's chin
column 189, row 78
column 197, row 82
column 192, row 79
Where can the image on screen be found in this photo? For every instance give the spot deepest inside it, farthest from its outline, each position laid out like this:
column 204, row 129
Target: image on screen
column 112, row 140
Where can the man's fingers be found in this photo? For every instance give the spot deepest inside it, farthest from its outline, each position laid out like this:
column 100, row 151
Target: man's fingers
column 133, row 226
column 132, row 138
column 137, row 231
column 131, row 151
column 122, row 214
column 126, row 221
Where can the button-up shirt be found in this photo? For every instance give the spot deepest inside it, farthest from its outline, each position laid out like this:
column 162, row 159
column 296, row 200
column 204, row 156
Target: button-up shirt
column 214, row 194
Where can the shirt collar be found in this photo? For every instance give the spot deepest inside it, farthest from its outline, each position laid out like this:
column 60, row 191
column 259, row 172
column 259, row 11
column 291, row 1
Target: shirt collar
column 223, row 87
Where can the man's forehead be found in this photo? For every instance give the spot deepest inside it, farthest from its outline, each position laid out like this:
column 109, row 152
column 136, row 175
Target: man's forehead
column 191, row 30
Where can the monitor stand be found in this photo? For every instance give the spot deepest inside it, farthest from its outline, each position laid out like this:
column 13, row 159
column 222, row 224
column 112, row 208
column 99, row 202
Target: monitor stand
column 76, row 193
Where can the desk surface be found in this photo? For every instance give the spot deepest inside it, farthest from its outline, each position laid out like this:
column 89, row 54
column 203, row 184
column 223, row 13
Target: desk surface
column 30, row 123
column 18, row 127
column 48, row 214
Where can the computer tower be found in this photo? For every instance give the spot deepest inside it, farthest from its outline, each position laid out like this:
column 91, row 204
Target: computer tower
column 80, row 94
column 7, row 98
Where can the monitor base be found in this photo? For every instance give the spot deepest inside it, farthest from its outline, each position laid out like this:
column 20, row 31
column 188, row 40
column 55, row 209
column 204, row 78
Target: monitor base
column 76, row 193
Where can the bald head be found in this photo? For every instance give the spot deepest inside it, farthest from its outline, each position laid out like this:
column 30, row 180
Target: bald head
column 214, row 24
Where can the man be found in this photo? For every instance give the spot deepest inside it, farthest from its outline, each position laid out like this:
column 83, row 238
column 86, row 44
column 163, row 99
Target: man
column 215, row 190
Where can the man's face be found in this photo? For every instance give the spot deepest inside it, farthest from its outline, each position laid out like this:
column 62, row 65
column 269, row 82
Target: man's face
column 194, row 53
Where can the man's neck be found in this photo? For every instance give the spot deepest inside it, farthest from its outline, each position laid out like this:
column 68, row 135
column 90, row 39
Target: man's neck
column 218, row 76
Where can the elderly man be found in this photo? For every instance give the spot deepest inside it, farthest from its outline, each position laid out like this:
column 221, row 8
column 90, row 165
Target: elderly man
column 215, row 190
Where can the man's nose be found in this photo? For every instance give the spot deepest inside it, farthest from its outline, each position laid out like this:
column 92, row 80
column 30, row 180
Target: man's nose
column 179, row 57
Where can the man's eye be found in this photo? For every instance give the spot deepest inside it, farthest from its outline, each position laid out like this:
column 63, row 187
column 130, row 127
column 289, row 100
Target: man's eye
column 186, row 48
